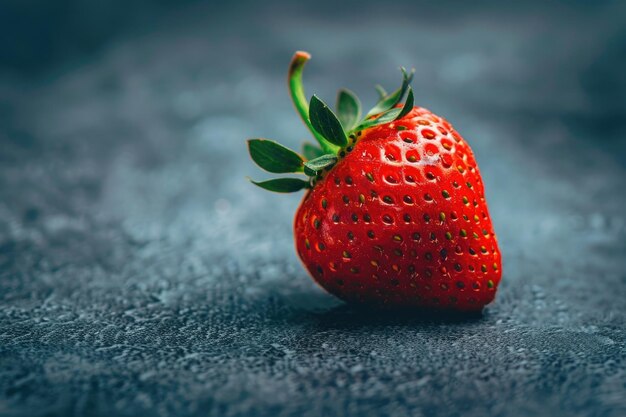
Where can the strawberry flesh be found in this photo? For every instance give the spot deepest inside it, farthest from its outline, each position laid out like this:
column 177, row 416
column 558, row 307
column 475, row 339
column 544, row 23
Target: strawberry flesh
column 401, row 220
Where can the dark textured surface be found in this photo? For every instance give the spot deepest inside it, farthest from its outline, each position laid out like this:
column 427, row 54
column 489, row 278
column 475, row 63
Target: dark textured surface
column 141, row 275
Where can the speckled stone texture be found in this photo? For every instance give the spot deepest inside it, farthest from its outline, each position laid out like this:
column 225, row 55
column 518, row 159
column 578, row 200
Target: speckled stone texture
column 142, row 275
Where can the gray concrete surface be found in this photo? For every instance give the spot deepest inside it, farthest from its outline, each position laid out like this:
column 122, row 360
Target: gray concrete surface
column 141, row 275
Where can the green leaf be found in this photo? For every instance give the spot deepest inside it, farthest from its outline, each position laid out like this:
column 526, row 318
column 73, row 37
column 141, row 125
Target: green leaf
column 274, row 157
column 408, row 105
column 282, row 185
column 390, row 115
column 326, row 123
column 311, row 151
column 391, row 100
column 312, row 167
column 348, row 108
column 386, row 117
column 382, row 93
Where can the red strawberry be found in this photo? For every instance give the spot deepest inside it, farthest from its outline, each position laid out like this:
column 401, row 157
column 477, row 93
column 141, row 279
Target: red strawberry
column 395, row 213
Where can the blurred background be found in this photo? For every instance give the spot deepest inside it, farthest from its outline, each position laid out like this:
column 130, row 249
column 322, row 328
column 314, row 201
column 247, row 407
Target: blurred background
column 141, row 274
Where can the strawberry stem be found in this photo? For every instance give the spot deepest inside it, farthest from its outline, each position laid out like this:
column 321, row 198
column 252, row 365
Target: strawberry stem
column 299, row 99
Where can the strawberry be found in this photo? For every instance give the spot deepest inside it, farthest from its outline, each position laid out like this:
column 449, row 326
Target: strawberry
column 394, row 213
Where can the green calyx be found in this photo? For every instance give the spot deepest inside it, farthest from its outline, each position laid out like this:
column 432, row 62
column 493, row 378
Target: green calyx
column 334, row 132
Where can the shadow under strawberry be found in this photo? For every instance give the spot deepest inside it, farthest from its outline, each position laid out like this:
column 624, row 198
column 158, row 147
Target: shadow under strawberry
column 349, row 316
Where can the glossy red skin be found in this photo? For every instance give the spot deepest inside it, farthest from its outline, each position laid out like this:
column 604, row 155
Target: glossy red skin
column 395, row 268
